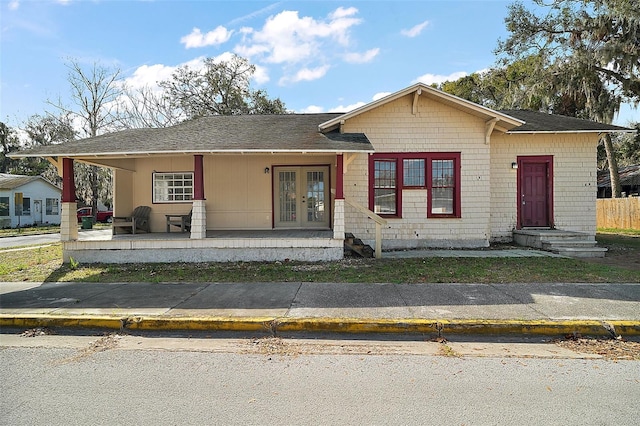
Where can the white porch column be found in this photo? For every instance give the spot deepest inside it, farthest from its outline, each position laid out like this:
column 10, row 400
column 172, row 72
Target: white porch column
column 69, row 222
column 198, row 220
column 338, row 219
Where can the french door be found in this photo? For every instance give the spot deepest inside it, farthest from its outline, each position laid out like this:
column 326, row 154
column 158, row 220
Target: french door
column 301, row 197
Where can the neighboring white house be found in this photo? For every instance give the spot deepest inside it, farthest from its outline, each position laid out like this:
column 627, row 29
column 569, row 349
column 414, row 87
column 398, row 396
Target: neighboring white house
column 28, row 200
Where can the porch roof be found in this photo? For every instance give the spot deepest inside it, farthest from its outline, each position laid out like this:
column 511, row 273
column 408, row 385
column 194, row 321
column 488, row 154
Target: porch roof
column 215, row 134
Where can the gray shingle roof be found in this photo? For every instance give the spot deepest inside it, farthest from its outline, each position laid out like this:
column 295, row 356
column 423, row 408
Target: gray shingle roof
column 267, row 133
column 246, row 133
column 8, row 181
column 629, row 175
column 536, row 122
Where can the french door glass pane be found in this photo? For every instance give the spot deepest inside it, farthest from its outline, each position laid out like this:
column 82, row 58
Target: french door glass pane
column 315, row 196
column 287, row 185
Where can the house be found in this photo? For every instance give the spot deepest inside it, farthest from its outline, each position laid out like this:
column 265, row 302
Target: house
column 28, row 200
column 417, row 168
column 629, row 181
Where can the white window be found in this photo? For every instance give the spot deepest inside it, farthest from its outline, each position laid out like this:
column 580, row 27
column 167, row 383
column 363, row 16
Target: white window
column 172, row 187
column 4, row 206
column 53, row 206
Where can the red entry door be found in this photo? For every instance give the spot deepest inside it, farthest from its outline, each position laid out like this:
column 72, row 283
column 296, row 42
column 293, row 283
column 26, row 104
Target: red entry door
column 534, row 193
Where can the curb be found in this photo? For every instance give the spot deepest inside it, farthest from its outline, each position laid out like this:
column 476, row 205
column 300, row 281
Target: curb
column 334, row 325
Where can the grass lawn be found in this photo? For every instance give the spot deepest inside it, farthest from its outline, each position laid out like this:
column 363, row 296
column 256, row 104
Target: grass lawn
column 31, row 230
column 45, row 264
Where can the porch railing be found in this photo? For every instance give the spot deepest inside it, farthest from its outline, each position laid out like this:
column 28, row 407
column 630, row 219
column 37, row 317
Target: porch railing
column 380, row 222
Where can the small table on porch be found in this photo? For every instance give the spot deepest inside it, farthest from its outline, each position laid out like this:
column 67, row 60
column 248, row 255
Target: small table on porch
column 177, row 220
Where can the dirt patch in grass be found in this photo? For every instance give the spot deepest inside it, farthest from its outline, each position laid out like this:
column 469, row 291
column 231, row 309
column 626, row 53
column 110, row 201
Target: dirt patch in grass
column 623, row 251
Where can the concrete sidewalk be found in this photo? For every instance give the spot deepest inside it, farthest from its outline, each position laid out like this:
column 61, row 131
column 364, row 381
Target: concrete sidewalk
column 549, row 309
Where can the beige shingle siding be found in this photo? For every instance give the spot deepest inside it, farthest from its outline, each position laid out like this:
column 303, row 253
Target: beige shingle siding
column 574, row 168
column 435, row 128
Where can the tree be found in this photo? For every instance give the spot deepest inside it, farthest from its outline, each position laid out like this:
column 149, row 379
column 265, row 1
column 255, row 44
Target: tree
column 95, row 92
column 593, row 51
column 220, row 88
column 45, row 130
column 512, row 86
column 146, row 108
column 630, row 147
column 9, row 142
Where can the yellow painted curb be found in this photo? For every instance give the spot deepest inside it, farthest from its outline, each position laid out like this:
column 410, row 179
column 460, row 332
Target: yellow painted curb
column 73, row 321
column 469, row 326
column 336, row 325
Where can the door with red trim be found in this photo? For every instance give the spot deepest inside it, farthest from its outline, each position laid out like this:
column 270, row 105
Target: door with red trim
column 535, row 191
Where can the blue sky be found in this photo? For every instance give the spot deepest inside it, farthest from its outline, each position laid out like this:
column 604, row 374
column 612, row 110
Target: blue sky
column 316, row 56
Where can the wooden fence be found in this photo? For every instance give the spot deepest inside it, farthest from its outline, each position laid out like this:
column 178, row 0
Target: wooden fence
column 619, row 213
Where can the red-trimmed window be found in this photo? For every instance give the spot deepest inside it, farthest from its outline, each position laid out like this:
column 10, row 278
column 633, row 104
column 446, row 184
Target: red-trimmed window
column 438, row 173
column 385, row 187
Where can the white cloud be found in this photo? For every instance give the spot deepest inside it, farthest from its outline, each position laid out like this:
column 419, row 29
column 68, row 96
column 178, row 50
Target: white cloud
column 306, row 74
column 361, row 58
column 347, row 108
column 304, row 46
column 214, row 37
column 261, row 75
column 341, row 12
column 415, row 30
column 312, row 109
column 13, row 5
column 437, row 79
column 289, row 38
column 64, row 2
column 380, row 95
column 148, row 76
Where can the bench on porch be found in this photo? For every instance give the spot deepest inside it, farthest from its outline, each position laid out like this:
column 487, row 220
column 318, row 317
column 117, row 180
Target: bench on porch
column 139, row 220
column 181, row 220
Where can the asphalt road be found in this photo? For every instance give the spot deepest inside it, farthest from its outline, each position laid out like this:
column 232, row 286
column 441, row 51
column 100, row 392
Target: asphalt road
column 26, row 240
column 260, row 382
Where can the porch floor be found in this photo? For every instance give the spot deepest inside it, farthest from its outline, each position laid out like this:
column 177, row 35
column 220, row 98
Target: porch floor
column 106, row 234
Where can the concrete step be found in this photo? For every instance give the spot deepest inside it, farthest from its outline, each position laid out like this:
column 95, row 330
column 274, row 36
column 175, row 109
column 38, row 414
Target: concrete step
column 565, row 243
column 551, row 244
column 580, row 252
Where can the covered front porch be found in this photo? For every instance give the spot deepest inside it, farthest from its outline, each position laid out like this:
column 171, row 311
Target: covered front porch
column 100, row 246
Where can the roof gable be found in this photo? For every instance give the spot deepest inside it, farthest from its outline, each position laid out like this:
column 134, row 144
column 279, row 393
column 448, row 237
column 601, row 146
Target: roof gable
column 501, row 120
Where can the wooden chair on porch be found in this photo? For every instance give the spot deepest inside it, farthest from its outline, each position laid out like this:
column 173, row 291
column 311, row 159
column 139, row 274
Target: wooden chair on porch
column 139, row 220
column 181, row 220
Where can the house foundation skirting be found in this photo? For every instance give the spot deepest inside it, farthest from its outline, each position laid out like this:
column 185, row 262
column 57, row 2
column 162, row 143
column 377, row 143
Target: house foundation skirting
column 208, row 250
column 407, row 244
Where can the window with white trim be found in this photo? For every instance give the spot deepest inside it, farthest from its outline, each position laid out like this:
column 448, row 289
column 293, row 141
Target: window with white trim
column 53, row 206
column 172, row 187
